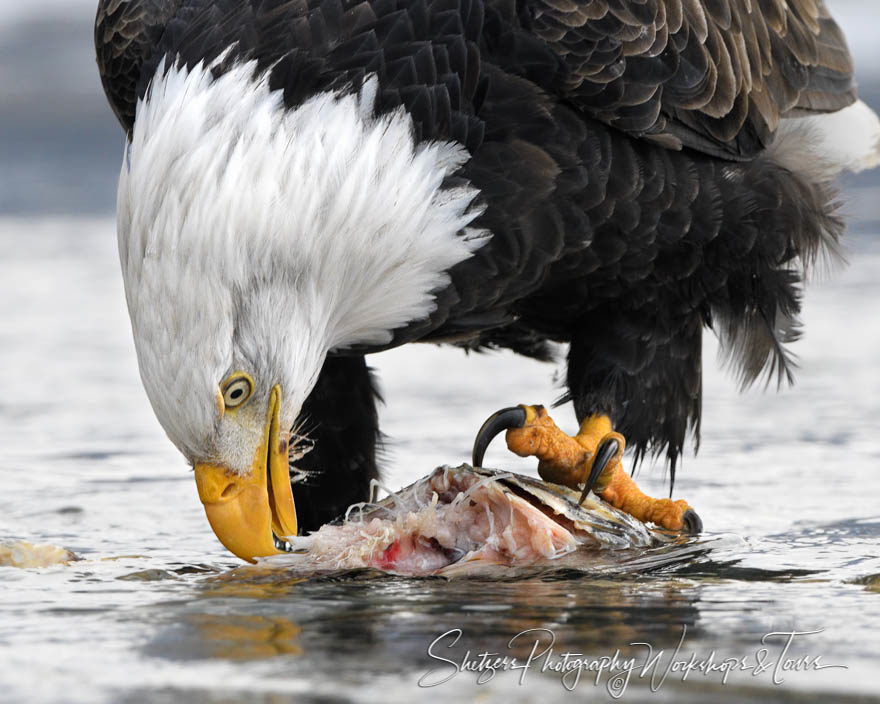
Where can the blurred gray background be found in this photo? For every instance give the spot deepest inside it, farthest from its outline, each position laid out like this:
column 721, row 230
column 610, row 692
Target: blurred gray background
column 60, row 147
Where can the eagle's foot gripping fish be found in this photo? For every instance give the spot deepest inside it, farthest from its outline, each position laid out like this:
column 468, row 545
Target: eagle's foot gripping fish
column 590, row 459
column 459, row 520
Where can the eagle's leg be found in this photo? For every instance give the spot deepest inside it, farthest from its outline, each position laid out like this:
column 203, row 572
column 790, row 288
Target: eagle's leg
column 579, row 461
column 338, row 459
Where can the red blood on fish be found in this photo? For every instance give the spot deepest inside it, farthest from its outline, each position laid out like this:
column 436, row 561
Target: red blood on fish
column 389, row 556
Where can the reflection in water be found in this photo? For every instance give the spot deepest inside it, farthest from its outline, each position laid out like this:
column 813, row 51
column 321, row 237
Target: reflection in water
column 384, row 624
column 242, row 637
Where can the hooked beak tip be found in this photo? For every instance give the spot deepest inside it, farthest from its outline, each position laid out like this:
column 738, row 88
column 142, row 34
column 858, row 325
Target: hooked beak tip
column 251, row 513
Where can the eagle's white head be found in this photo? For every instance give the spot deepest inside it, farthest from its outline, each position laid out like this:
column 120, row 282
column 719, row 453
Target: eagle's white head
column 254, row 239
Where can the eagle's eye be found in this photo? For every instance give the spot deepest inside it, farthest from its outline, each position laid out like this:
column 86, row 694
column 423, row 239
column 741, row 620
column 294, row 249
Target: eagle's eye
column 237, row 389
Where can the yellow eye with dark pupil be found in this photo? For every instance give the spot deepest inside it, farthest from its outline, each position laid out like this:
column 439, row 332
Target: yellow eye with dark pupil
column 236, row 390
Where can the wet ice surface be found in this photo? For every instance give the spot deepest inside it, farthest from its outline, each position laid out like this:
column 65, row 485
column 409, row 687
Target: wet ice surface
column 787, row 486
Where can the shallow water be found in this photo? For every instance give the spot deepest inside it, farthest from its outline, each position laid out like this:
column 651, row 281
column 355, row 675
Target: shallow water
column 787, row 485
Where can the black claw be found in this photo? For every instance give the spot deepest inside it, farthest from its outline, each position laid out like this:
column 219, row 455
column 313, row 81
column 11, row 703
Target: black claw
column 504, row 419
column 692, row 522
column 606, row 452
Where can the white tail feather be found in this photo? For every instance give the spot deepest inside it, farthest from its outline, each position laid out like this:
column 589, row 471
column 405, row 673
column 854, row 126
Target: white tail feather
column 825, row 145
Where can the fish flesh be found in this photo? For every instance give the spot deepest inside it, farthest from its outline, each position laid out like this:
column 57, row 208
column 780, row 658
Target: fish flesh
column 19, row 553
column 458, row 521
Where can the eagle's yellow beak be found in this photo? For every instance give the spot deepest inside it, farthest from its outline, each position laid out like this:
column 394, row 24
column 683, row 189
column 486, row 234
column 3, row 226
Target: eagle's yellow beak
column 250, row 513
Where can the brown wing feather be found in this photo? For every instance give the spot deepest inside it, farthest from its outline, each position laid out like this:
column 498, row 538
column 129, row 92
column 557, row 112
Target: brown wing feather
column 714, row 75
column 125, row 33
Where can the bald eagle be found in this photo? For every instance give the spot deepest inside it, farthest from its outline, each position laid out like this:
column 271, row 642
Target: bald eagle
column 305, row 182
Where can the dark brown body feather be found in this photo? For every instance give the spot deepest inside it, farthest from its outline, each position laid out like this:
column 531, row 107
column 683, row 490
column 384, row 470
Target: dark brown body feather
column 716, row 75
column 620, row 150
